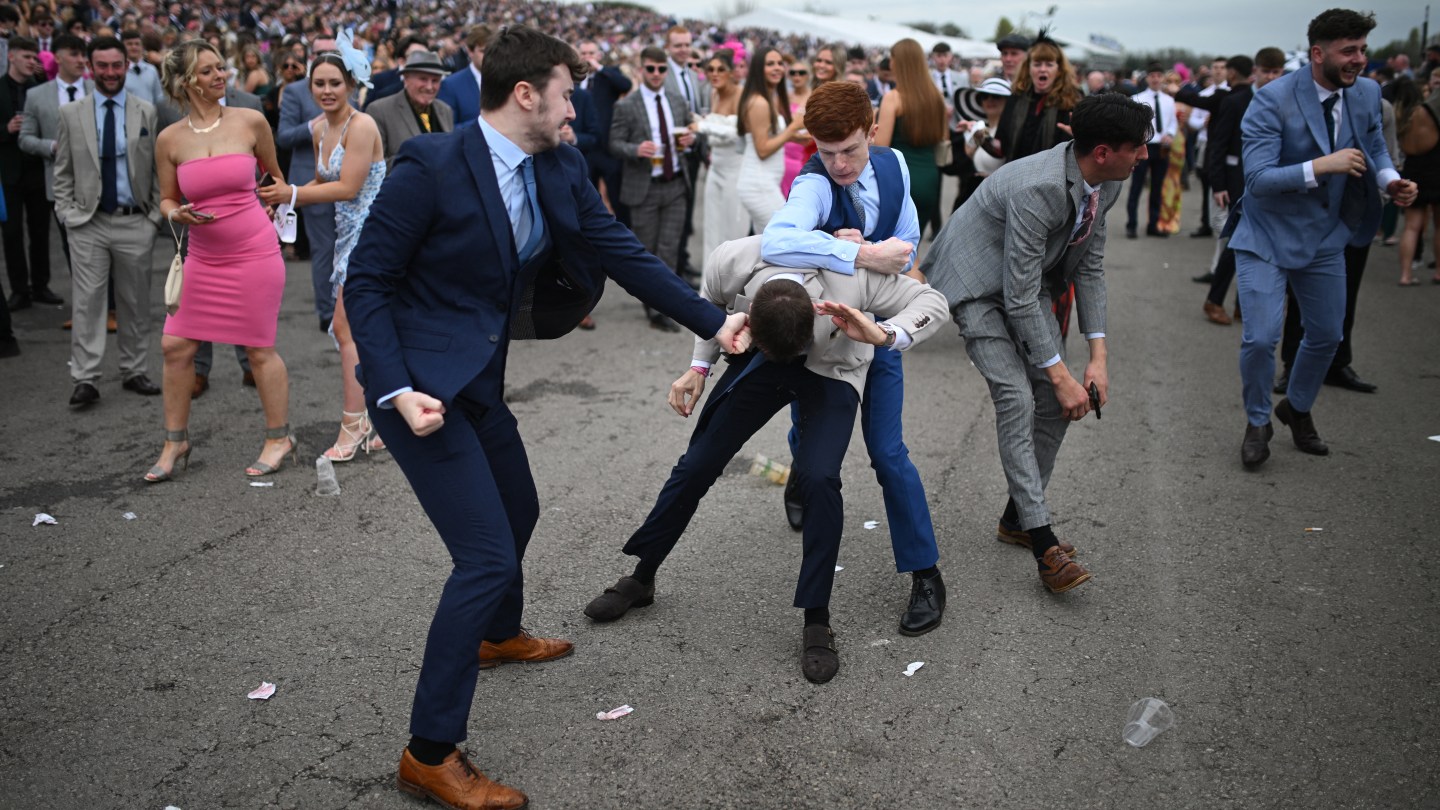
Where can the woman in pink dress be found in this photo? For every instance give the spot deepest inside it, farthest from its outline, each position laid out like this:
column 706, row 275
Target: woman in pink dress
column 795, row 157
column 234, row 274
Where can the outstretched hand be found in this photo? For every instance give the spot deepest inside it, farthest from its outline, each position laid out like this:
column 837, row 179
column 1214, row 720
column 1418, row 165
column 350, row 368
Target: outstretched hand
column 422, row 412
column 855, row 324
column 734, row 337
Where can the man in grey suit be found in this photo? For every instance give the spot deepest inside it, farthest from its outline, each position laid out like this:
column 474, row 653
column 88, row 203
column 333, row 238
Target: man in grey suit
column 415, row 110
column 142, row 78
column 297, row 110
column 1035, row 226
column 649, row 132
column 106, row 195
column 41, row 128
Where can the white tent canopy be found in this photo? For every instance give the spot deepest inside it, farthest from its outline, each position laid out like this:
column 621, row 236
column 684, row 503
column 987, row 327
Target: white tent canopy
column 853, row 31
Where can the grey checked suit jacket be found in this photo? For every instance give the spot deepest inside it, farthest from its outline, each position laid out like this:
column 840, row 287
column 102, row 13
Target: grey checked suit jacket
column 396, row 120
column 77, row 161
column 1006, row 247
column 735, row 271
column 41, row 127
column 631, row 127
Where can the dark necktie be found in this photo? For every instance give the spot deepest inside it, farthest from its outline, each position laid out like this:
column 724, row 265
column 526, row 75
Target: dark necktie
column 1159, row 123
column 689, row 94
column 71, row 90
column 1087, row 219
column 669, row 171
column 945, row 83
column 1329, row 107
column 137, row 69
column 109, row 197
column 537, row 223
column 854, row 190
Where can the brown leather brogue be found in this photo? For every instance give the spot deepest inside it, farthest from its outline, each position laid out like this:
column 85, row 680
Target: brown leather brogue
column 523, row 649
column 1059, row 572
column 1216, row 313
column 456, row 784
column 1010, row 533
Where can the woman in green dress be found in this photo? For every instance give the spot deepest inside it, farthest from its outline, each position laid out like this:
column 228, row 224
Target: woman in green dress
column 912, row 121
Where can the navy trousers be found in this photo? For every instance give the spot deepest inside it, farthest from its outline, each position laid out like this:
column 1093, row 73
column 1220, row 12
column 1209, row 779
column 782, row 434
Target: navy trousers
column 749, row 393
column 1155, row 165
column 473, row 479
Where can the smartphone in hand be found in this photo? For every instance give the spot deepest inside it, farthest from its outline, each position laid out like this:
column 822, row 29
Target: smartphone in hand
column 1095, row 400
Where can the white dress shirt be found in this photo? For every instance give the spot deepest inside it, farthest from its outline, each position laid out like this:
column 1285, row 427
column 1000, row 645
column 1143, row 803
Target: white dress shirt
column 649, row 96
column 63, row 93
column 1170, row 125
column 1384, row 177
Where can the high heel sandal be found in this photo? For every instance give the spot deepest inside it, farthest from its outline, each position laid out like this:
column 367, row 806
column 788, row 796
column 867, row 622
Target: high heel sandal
column 359, row 435
column 282, row 432
column 158, row 473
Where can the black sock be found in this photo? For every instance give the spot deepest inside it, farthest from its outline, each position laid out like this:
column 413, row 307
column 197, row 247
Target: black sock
column 645, row 571
column 926, row 573
column 820, row 615
column 1042, row 540
column 429, row 752
column 1012, row 515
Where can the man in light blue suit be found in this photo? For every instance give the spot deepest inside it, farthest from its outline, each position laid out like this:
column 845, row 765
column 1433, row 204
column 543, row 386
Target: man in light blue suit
column 1315, row 166
column 461, row 89
column 297, row 110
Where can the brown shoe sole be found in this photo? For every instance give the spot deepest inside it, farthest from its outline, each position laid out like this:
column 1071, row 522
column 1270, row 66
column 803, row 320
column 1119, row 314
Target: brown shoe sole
column 423, row 793
column 1080, row 580
column 491, row 663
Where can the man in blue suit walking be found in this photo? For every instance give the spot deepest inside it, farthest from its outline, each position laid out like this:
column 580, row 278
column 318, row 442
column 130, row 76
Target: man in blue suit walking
column 461, row 89
column 1315, row 166
column 481, row 236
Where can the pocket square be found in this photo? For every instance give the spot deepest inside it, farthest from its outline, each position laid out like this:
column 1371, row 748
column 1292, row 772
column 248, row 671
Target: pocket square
column 144, row 133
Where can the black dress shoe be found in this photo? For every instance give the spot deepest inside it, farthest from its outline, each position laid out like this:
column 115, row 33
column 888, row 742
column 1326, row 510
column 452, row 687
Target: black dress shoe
column 1282, row 383
column 325, row 325
column 1151, row 230
column 1202, row 232
column 927, row 606
column 44, row 296
column 1345, row 377
column 141, row 385
column 1130, row 234
column 1302, row 429
column 18, row 301
column 85, row 394
column 818, row 658
column 9, row 347
column 614, row 602
column 794, row 509
column 1203, row 278
column 1256, row 447
column 663, row 323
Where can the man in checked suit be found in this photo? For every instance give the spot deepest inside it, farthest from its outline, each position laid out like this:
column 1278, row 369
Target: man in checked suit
column 1034, row 227
column 107, row 198
column 649, row 133
column 1315, row 166
column 472, row 238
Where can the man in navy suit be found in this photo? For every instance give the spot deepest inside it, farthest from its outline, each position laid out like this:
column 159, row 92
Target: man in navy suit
column 606, row 84
column 1315, row 166
column 471, row 241
column 461, row 89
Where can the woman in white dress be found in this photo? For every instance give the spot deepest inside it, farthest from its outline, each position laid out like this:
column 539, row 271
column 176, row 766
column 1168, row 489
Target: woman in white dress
column 725, row 217
column 767, row 125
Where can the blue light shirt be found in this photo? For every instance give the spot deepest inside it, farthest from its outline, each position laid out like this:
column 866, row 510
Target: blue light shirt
column 123, row 194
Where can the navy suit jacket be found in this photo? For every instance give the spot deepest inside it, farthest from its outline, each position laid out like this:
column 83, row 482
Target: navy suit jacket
column 432, row 287
column 606, row 88
column 1286, row 223
column 462, row 93
column 297, row 108
column 586, row 124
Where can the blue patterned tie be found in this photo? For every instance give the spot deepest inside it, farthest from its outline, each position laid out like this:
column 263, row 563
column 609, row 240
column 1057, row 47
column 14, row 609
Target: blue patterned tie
column 536, row 223
column 854, row 191
column 109, row 196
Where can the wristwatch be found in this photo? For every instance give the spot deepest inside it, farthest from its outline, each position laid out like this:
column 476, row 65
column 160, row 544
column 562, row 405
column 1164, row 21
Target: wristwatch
column 889, row 336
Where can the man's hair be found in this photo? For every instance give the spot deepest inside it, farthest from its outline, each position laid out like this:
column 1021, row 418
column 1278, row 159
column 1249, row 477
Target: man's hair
column 67, row 42
column 19, row 43
column 941, row 47
column 102, row 44
column 9, row 14
column 856, row 54
column 1386, row 73
column 1270, row 58
column 782, row 319
column 654, row 53
column 1339, row 23
column 1154, row 67
column 885, row 63
column 1241, row 64
column 129, row 34
column 406, row 41
column 41, row 14
column 675, row 29
column 836, row 109
column 518, row 53
column 477, row 37
column 1111, row 119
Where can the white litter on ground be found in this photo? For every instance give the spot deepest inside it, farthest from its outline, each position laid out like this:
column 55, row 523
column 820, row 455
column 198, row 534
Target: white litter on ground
column 264, row 692
column 913, row 668
column 41, row 517
column 870, row 524
column 262, row 483
column 128, row 516
column 614, row 714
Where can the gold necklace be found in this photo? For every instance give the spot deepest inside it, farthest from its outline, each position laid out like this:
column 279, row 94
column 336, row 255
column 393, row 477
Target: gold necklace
column 191, row 124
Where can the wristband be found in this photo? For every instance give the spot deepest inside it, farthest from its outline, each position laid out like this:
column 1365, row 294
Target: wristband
column 701, row 370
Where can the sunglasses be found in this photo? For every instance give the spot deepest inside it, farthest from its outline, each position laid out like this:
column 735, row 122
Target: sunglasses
column 692, row 65
column 799, row 73
column 292, row 66
column 657, row 68
column 723, row 69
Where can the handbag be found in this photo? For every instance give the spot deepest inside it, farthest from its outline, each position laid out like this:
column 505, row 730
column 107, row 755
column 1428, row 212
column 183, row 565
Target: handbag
column 944, row 153
column 176, row 277
column 285, row 221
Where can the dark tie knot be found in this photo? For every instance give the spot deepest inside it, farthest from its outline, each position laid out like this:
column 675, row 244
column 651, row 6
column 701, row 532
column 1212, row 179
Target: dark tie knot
column 109, row 103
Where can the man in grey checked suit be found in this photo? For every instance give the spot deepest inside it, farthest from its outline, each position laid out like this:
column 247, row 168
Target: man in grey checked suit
column 648, row 134
column 41, row 128
column 1035, row 226
column 106, row 195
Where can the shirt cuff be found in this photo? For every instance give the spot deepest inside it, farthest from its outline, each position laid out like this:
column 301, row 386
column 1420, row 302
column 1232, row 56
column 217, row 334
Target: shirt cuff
column 698, row 363
column 903, row 340
column 795, row 277
column 1094, row 335
column 1309, row 168
column 1386, row 177
column 1048, row 363
column 384, row 401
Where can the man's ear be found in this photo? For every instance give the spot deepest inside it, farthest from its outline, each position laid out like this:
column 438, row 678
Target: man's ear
column 874, row 128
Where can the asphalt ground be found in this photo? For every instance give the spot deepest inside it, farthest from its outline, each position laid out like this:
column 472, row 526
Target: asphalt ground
column 1300, row 665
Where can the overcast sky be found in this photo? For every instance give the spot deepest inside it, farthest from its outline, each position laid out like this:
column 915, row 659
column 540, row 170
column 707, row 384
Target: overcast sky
column 1204, row 26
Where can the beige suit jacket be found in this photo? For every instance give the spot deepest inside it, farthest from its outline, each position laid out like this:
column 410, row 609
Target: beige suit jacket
column 735, row 272
column 77, row 160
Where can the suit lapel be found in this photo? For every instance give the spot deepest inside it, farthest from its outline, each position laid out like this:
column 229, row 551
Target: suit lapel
column 477, row 154
column 133, row 125
column 87, row 126
column 1309, row 102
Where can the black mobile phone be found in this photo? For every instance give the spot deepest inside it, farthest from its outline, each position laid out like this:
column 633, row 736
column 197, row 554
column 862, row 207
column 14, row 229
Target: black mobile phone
column 1095, row 399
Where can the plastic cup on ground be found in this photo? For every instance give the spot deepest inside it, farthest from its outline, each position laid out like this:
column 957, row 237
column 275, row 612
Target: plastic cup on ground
column 1148, row 717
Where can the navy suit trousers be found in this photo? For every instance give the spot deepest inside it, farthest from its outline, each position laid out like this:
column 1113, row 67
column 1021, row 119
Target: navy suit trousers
column 747, row 396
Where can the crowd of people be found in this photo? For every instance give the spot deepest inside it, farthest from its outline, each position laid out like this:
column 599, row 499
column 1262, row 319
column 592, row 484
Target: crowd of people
column 329, row 134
